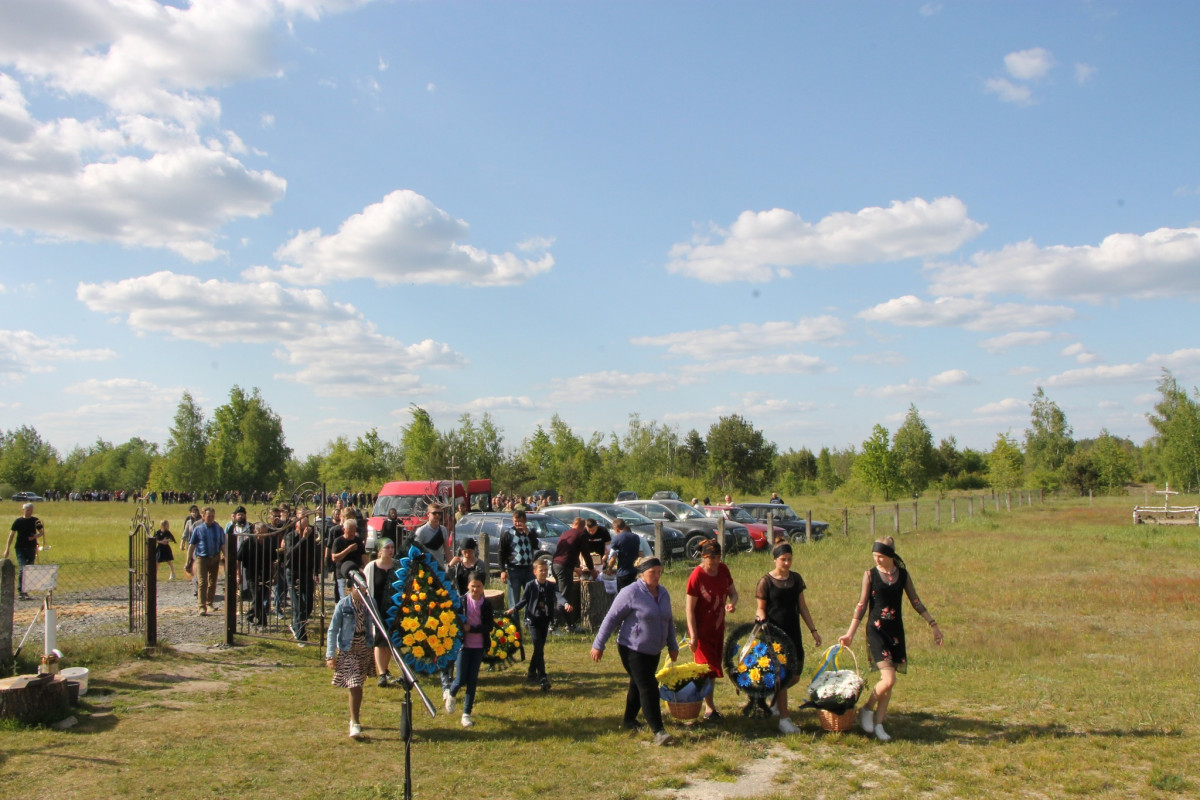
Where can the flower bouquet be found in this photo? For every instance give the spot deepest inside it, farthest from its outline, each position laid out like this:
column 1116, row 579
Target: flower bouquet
column 834, row 692
column 425, row 622
column 758, row 659
column 684, row 687
column 505, row 644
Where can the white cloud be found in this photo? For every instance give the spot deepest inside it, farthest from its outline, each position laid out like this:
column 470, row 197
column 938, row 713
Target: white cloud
column 383, row 64
column 483, row 405
column 90, row 181
column 968, row 313
column 267, row 121
column 781, row 364
column 119, row 408
column 1080, row 353
column 313, row 333
column 1006, row 407
column 746, row 337
column 1025, row 370
column 1186, row 360
column 402, row 239
column 24, row 352
column 1162, row 263
column 760, row 246
column 1029, row 65
column 916, row 387
column 929, row 9
column 608, row 383
column 1084, row 73
column 882, row 358
column 1007, row 341
column 1008, row 91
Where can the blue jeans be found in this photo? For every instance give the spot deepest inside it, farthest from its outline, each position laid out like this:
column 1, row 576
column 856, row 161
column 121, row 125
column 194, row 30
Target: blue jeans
column 517, row 578
column 22, row 560
column 469, row 661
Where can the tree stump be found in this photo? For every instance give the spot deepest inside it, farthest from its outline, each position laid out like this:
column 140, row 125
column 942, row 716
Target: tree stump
column 594, row 602
column 34, row 699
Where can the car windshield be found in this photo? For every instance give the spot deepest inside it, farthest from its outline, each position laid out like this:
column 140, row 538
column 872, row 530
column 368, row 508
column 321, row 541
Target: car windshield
column 782, row 513
column 406, row 505
column 739, row 515
column 545, row 527
column 627, row 514
column 682, row 509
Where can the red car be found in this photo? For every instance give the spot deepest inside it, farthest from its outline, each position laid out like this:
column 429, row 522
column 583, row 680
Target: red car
column 758, row 530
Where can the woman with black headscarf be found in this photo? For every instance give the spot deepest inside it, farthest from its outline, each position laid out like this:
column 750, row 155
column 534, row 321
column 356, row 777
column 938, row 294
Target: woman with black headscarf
column 883, row 588
column 780, row 596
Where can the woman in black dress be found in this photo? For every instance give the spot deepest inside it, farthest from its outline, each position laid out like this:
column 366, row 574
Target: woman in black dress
column 883, row 588
column 780, row 596
column 162, row 549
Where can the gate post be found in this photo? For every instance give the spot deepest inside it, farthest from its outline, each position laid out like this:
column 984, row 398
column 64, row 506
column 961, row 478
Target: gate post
column 845, row 522
column 8, row 586
column 231, row 590
column 151, row 592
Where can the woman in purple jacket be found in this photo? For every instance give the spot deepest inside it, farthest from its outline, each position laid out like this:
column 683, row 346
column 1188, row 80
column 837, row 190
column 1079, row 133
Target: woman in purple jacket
column 642, row 610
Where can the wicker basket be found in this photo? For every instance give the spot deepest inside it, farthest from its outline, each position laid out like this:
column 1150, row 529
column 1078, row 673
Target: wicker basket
column 836, row 723
column 685, row 711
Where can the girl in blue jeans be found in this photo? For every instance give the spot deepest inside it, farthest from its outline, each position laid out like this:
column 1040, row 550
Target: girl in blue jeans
column 478, row 614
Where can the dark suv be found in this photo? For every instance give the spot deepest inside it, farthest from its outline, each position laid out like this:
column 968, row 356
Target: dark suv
column 695, row 527
column 787, row 519
column 493, row 523
column 606, row 513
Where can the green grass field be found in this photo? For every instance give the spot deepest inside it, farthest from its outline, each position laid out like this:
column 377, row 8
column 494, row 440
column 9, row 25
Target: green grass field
column 1068, row 670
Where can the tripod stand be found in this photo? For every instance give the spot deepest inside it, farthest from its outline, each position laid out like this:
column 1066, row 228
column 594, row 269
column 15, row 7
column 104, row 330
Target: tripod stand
column 406, row 676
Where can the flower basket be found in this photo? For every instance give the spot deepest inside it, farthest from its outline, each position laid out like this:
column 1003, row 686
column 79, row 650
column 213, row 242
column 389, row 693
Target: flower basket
column 758, row 659
column 505, row 646
column 835, row 723
column 684, row 687
column 425, row 622
column 685, row 711
column 834, row 691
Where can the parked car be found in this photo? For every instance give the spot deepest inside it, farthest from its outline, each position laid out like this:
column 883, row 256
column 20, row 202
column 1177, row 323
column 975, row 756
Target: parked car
column 758, row 530
column 623, row 496
column 494, row 523
column 695, row 527
column 665, row 496
column 606, row 513
column 28, row 497
column 787, row 519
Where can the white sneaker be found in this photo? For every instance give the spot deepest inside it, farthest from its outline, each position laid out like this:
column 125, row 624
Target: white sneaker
column 881, row 734
column 787, row 726
column 466, row 721
column 448, row 701
column 866, row 721
column 355, row 730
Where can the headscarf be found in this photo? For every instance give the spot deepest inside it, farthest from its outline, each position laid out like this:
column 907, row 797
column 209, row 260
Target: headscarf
column 648, row 563
column 885, row 549
column 783, row 548
column 710, row 547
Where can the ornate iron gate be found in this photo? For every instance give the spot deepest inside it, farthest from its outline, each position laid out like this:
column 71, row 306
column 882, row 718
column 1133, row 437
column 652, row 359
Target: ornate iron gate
column 140, row 529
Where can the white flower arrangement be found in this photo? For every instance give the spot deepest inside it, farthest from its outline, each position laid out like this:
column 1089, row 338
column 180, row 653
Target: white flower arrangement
column 836, row 690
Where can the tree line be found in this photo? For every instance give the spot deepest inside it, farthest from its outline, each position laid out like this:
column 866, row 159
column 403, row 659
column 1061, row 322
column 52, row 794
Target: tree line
column 241, row 446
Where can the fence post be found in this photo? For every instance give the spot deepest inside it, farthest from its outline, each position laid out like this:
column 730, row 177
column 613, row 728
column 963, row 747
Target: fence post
column 808, row 526
column 953, row 510
column 483, row 548
column 8, row 594
column 770, row 530
column 914, row 515
column 1090, row 498
column 151, row 592
column 937, row 513
column 1008, row 501
column 658, row 541
column 971, row 507
column 872, row 522
column 845, row 522
column 896, row 518
column 721, row 531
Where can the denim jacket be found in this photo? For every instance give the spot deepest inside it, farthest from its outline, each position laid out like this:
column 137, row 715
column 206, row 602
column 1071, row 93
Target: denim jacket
column 341, row 628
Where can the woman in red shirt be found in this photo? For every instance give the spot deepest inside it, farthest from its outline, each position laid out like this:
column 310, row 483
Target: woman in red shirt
column 710, row 596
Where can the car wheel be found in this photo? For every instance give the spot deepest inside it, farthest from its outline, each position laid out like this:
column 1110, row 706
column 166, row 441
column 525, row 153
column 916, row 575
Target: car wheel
column 798, row 537
column 693, row 546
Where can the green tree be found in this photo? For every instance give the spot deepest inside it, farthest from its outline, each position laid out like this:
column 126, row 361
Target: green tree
column 1079, row 472
column 1112, row 461
column 1005, row 463
column 1048, row 442
column 828, row 477
column 912, row 449
column 186, row 465
column 422, row 447
column 693, row 454
column 538, row 454
column 739, row 456
column 797, row 471
column 247, row 450
column 1176, row 443
column 26, row 461
column 876, row 464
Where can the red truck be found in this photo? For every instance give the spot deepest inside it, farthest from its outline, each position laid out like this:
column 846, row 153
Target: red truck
column 412, row 498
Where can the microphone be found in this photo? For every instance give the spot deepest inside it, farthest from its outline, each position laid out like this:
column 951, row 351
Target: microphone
column 358, row 579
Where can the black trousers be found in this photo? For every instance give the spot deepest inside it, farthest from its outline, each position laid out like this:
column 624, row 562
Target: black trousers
column 537, row 635
column 643, row 688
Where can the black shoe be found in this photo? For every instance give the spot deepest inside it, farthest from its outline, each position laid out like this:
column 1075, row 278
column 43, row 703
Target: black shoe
column 714, row 716
column 545, row 684
column 383, row 680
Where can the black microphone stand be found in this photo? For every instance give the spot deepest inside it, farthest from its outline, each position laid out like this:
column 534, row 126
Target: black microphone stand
column 406, row 675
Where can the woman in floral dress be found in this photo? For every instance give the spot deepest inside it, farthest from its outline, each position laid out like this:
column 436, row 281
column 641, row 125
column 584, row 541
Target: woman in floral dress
column 348, row 650
column 883, row 589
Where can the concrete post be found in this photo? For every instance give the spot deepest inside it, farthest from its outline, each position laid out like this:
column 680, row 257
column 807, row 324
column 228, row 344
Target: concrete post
column 8, row 597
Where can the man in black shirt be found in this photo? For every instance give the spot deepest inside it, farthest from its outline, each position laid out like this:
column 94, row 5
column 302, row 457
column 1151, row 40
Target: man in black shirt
column 302, row 554
column 26, row 529
column 349, row 553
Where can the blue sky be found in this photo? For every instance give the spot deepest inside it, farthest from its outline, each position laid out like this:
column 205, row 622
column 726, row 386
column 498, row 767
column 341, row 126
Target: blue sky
column 809, row 214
